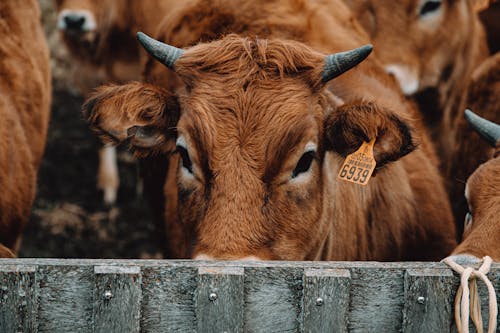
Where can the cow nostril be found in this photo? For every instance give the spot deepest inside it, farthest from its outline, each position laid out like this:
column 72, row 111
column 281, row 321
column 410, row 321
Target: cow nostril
column 74, row 21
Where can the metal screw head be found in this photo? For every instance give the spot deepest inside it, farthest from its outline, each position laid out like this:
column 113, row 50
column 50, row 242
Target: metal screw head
column 319, row 301
column 421, row 299
column 107, row 295
column 212, row 297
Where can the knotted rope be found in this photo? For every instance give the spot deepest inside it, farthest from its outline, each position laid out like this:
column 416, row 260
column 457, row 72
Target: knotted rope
column 468, row 278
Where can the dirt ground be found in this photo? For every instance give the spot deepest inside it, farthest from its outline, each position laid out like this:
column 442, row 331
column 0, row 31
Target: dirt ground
column 68, row 217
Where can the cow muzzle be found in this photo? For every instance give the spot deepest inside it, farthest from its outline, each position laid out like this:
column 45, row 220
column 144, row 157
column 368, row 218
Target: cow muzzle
column 76, row 21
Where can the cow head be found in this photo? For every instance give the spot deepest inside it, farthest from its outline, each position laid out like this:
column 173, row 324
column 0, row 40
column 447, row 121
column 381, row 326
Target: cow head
column 83, row 22
column 421, row 42
column 481, row 230
column 250, row 127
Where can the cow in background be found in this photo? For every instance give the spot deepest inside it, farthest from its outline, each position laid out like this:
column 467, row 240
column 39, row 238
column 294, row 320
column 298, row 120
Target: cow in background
column 482, row 223
column 25, row 95
column 431, row 47
column 100, row 35
column 260, row 127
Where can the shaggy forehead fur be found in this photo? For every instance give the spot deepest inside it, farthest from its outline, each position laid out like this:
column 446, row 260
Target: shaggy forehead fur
column 270, row 97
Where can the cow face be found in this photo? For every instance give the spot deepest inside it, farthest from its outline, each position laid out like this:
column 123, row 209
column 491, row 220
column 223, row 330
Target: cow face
column 251, row 136
column 418, row 41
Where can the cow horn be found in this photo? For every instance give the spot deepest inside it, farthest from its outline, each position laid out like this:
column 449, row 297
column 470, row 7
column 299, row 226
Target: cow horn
column 487, row 129
column 338, row 63
column 164, row 53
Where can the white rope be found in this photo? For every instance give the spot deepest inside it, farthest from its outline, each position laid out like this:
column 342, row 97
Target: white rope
column 467, row 300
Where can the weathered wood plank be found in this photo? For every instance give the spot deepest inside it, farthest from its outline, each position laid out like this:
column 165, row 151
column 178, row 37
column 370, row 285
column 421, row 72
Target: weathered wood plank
column 326, row 300
column 66, row 294
column 273, row 299
column 219, row 300
column 18, row 299
column 376, row 300
column 428, row 300
column 168, row 295
column 117, row 299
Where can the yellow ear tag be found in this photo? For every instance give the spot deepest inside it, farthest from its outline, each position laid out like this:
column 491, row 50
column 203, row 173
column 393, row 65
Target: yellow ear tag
column 358, row 166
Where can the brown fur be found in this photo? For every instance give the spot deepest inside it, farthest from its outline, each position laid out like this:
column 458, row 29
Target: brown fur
column 489, row 18
column 24, row 110
column 248, row 106
column 482, row 235
column 470, row 151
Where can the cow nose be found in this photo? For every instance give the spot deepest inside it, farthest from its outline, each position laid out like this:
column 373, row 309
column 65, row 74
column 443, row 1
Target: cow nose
column 74, row 21
column 405, row 76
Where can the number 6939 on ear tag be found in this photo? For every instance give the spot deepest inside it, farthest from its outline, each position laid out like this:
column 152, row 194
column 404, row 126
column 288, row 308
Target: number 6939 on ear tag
column 358, row 167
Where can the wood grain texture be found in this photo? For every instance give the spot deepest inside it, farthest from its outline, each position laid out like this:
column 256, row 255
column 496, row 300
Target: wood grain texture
column 273, row 299
column 428, row 300
column 326, row 300
column 18, row 299
column 376, row 300
column 65, row 299
column 219, row 305
column 168, row 299
column 117, row 299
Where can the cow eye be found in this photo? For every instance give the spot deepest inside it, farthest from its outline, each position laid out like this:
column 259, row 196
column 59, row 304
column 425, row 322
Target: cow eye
column 304, row 163
column 430, row 7
column 186, row 161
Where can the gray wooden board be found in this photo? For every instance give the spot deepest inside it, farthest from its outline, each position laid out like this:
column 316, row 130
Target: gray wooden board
column 65, row 301
column 219, row 301
column 18, row 306
column 273, row 299
column 376, row 300
column 117, row 299
column 168, row 299
column 428, row 300
column 326, row 300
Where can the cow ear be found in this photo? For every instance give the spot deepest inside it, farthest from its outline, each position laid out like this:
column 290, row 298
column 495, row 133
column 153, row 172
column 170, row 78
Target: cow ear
column 141, row 114
column 348, row 126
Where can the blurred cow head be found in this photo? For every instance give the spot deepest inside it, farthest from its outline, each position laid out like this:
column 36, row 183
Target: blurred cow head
column 84, row 22
column 421, row 42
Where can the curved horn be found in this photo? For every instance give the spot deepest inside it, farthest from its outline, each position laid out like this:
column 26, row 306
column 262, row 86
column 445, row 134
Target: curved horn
column 164, row 53
column 338, row 63
column 487, row 129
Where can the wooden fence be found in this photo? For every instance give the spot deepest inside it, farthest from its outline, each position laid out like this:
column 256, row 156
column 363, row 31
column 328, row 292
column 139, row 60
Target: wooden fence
column 53, row 295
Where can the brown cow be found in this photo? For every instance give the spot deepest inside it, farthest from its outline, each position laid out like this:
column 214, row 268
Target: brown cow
column 24, row 113
column 100, row 34
column 482, row 223
column 261, row 130
column 431, row 47
column 469, row 151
